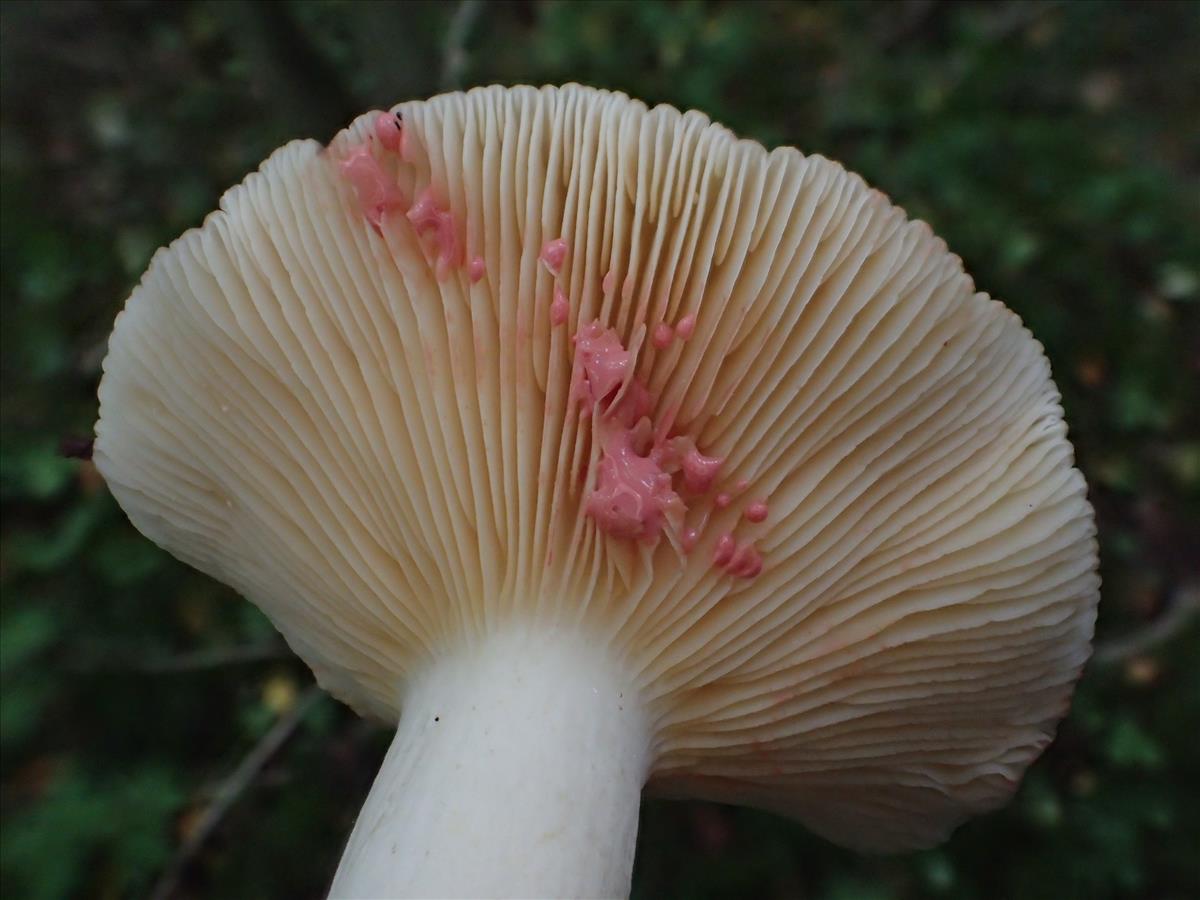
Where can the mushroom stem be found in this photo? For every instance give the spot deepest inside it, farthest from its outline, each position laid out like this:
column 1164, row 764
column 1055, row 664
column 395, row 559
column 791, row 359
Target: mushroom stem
column 516, row 771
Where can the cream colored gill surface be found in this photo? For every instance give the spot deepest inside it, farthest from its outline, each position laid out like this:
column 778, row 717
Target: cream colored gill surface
column 387, row 463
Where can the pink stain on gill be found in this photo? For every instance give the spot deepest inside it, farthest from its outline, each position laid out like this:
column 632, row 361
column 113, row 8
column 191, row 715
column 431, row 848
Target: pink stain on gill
column 663, row 333
column 756, row 511
column 607, row 284
column 636, row 404
column 389, row 131
column 476, row 269
column 686, row 327
column 559, row 308
column 722, row 500
column 723, row 552
column 376, row 191
column 742, row 562
column 554, row 253
column 426, row 215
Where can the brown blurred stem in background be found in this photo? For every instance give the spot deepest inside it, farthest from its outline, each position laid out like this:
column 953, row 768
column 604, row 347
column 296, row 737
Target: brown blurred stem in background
column 1179, row 614
column 454, row 52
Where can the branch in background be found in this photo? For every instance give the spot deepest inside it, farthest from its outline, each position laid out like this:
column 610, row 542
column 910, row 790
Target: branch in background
column 230, row 790
column 75, row 447
column 906, row 22
column 1178, row 616
column 1014, row 18
column 454, row 52
column 199, row 660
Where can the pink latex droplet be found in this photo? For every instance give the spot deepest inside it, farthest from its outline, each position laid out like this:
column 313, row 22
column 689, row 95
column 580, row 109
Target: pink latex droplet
column 700, row 471
column 632, row 492
column 722, row 500
column 746, row 562
column 756, row 512
column 476, row 269
column 389, row 131
column 686, row 327
column 554, row 253
column 689, row 539
column 426, row 215
column 559, row 308
column 723, row 552
column 601, row 362
column 375, row 190
column 663, row 333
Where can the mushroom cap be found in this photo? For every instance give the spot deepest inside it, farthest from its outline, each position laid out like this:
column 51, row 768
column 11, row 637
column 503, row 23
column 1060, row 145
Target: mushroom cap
column 316, row 400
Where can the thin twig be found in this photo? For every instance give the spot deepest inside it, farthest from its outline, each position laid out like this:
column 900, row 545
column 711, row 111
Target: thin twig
column 454, row 51
column 195, row 661
column 1178, row 616
column 215, row 659
column 230, row 790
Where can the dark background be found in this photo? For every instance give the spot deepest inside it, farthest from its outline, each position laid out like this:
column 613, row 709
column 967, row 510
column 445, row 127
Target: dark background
column 156, row 737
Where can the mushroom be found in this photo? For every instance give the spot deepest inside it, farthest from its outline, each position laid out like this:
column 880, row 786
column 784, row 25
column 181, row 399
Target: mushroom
column 390, row 394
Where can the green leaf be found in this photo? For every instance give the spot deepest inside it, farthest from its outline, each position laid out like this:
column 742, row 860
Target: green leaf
column 124, row 821
column 24, row 634
column 124, row 558
column 35, row 470
column 22, row 704
column 1136, row 405
column 48, row 550
column 1129, row 746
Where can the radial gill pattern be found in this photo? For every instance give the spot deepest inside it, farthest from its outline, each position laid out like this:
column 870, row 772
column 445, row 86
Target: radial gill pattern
column 547, row 354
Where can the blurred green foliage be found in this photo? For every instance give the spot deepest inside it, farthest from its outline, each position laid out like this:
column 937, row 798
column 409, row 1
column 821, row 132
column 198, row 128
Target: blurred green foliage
column 1056, row 147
